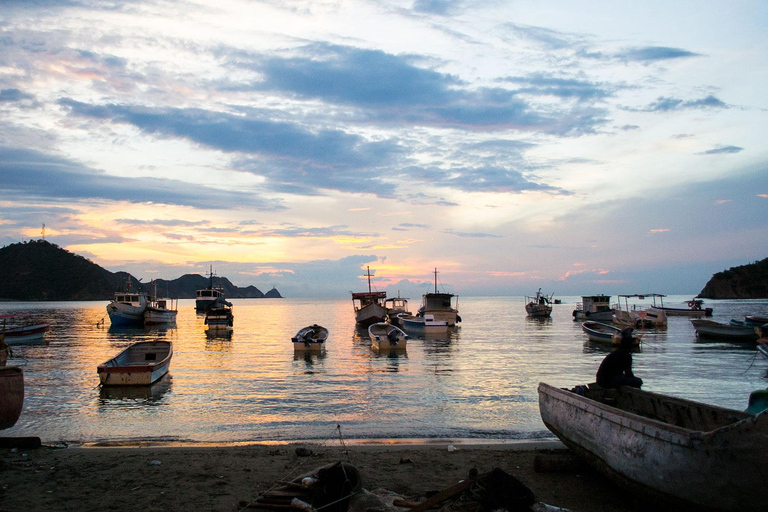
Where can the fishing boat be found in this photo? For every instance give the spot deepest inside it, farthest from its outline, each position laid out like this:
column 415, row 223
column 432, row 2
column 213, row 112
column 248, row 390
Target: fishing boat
column 763, row 349
column 678, row 452
column 206, row 297
column 650, row 316
column 594, row 307
column 396, row 306
column 141, row 364
column 539, row 306
column 127, row 308
column 219, row 316
column 422, row 324
column 604, row 333
column 369, row 306
column 694, row 308
column 385, row 336
column 160, row 311
column 756, row 320
column 726, row 332
column 438, row 304
column 18, row 329
column 11, row 395
column 310, row 339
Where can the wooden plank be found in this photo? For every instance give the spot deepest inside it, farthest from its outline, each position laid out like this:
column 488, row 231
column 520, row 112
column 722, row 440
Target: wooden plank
column 446, row 494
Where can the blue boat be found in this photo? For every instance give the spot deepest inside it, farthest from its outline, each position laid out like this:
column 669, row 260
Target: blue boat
column 127, row 309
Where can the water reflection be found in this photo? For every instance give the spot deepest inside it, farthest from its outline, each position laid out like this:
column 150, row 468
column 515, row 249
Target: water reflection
column 134, row 396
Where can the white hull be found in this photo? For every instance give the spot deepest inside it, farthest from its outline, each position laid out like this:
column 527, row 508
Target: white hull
column 154, row 316
column 693, row 454
column 310, row 339
column 726, row 332
column 25, row 334
column 141, row 364
column 386, row 336
column 423, row 324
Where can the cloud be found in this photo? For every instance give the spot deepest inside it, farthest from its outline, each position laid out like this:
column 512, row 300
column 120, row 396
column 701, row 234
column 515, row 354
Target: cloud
column 566, row 88
column 722, row 150
column 663, row 104
column 29, row 173
column 465, row 234
column 14, row 95
column 649, row 54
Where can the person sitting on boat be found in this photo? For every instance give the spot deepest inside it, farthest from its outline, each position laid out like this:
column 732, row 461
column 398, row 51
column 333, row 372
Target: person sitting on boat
column 616, row 368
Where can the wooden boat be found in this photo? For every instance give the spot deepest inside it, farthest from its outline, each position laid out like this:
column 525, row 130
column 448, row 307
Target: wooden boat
column 694, row 309
column 369, row 306
column 11, row 395
column 140, row 364
column 439, row 305
column 540, row 305
column 594, row 307
column 206, row 297
column 726, row 332
column 650, row 316
column 18, row 329
column 310, row 339
column 160, row 311
column 396, row 306
column 386, row 336
column 682, row 453
column 127, row 308
column 423, row 324
column 756, row 320
column 604, row 333
column 219, row 316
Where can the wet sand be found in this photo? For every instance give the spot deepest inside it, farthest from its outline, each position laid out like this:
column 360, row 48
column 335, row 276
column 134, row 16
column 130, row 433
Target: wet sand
column 226, row 478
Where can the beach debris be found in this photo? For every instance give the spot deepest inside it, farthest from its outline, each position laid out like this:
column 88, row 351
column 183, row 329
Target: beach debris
column 328, row 488
column 303, row 452
column 406, row 460
column 557, row 461
column 155, row 463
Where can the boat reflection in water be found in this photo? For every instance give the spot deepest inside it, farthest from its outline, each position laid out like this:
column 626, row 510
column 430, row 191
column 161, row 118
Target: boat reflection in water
column 141, row 395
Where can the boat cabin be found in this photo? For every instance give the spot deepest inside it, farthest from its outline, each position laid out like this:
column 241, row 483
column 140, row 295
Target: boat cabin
column 130, row 298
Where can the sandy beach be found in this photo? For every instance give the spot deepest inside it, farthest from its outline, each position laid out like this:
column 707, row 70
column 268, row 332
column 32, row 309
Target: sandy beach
column 227, row 478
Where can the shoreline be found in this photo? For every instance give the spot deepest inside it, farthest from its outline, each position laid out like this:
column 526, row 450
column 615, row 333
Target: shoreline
column 224, row 477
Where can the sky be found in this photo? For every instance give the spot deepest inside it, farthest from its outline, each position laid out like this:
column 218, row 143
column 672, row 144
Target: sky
column 578, row 147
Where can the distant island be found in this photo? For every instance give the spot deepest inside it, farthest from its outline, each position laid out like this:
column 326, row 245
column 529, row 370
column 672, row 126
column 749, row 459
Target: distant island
column 743, row 282
column 40, row 270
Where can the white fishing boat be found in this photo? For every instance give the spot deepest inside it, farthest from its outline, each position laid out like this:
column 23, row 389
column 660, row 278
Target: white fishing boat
column 369, row 306
column 19, row 329
column 160, row 311
column 423, row 324
column 726, row 332
column 310, row 339
column 219, row 316
column 539, row 306
column 594, row 307
column 439, row 305
column 396, row 306
column 676, row 452
column 206, row 297
column 609, row 334
column 634, row 316
column 11, row 395
column 385, row 336
column 694, row 308
column 127, row 308
column 140, row 364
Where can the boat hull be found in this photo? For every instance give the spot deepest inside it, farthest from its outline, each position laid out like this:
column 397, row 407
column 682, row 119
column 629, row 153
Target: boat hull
column 601, row 333
column 538, row 310
column 697, row 313
column 716, row 467
column 310, row 339
column 386, row 336
column 23, row 334
column 725, row 332
column 155, row 316
column 121, row 315
column 425, row 325
column 11, row 395
column 141, row 364
column 370, row 314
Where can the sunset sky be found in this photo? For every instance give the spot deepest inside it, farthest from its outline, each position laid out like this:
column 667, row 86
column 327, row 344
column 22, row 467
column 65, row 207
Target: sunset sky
column 580, row 147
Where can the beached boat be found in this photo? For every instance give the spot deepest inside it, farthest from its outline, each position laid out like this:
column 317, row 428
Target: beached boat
column 140, row 364
column 11, row 395
column 423, row 324
column 727, row 332
column 310, row 339
column 594, row 307
column 678, row 452
column 127, row 308
column 160, row 311
column 604, row 333
column 650, row 316
column 18, row 329
column 206, row 297
column 386, row 336
column 396, row 306
column 369, row 306
column 694, row 308
column 439, row 305
column 219, row 316
column 540, row 305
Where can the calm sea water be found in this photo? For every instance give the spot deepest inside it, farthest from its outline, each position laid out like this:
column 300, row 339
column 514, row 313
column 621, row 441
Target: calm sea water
column 480, row 382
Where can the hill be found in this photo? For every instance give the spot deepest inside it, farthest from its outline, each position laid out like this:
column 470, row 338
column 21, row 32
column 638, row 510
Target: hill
column 40, row 270
column 743, row 282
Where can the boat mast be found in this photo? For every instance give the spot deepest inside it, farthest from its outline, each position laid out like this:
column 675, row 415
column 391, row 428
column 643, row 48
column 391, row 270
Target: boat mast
column 368, row 273
column 435, row 279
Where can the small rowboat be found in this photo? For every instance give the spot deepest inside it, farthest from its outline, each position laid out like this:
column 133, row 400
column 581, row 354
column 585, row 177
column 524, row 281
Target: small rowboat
column 310, row 339
column 140, row 364
column 219, row 317
column 684, row 454
column 725, row 332
column 386, row 336
column 28, row 331
column 11, row 395
column 604, row 333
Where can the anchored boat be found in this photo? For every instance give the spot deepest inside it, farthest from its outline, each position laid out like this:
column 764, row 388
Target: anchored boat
column 140, row 364
column 386, row 336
